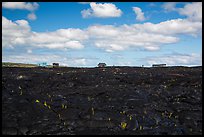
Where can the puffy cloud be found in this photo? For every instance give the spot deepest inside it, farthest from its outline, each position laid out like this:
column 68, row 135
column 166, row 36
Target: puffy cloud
column 139, row 14
column 169, row 6
column 70, row 33
column 103, row 31
column 19, row 33
column 32, row 16
column 171, row 27
column 175, row 59
column 105, row 10
column 148, row 35
column 192, row 10
column 62, row 45
column 20, row 5
column 86, row 13
column 14, row 33
column 17, row 25
column 23, row 6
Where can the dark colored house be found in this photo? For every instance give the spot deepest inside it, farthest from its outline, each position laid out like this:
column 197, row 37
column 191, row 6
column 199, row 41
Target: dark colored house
column 159, row 65
column 101, row 65
column 55, row 65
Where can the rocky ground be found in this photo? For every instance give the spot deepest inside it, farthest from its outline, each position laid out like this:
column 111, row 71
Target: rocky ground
column 113, row 100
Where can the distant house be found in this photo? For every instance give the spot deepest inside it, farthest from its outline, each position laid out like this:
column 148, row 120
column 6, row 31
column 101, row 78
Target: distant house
column 43, row 64
column 159, row 65
column 101, row 65
column 55, row 65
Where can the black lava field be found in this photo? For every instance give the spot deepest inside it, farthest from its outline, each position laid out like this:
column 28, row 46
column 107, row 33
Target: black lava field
column 110, row 101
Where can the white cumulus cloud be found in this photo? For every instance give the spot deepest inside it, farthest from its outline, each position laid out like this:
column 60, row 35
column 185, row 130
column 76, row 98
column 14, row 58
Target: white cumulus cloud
column 32, row 16
column 139, row 14
column 23, row 6
column 193, row 11
column 100, row 10
column 171, row 27
column 20, row 5
column 110, row 38
column 18, row 33
column 14, row 33
column 148, row 36
column 169, row 6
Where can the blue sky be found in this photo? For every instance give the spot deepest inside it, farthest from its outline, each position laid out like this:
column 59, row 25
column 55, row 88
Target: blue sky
column 117, row 33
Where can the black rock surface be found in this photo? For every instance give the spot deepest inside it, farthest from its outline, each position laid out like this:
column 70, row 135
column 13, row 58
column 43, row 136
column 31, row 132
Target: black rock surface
column 112, row 100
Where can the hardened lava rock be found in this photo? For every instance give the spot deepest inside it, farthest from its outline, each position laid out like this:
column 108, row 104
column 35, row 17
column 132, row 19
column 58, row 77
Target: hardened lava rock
column 102, row 101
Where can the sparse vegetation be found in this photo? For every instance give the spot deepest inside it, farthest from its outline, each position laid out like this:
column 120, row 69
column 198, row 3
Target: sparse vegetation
column 124, row 100
column 10, row 64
